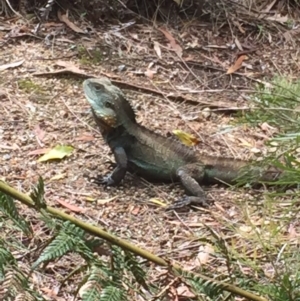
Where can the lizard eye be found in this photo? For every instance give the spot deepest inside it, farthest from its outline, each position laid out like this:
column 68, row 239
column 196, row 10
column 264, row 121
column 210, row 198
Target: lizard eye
column 98, row 87
column 109, row 105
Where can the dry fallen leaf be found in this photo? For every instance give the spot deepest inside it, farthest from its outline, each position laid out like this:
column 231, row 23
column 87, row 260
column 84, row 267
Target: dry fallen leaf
column 58, row 177
column 174, row 46
column 292, row 232
column 244, row 143
column 67, row 68
column 255, row 150
column 70, row 206
column 149, row 73
column 184, row 291
column 278, row 18
column 105, row 201
column 157, row 49
column 64, row 18
column 238, row 44
column 134, row 36
column 204, row 254
column 40, row 134
column 11, row 65
column 39, row 151
column 135, row 211
column 157, row 202
column 245, row 229
column 84, row 137
column 237, row 65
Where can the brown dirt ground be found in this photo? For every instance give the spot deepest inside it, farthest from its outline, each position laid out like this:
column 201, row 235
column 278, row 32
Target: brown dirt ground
column 44, row 111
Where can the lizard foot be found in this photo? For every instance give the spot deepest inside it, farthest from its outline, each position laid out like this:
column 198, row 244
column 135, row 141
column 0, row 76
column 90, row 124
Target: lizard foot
column 188, row 200
column 107, row 180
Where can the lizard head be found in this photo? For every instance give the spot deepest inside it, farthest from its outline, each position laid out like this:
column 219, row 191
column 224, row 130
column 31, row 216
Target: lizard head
column 109, row 106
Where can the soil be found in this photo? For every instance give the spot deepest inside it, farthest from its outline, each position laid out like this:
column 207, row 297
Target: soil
column 43, row 106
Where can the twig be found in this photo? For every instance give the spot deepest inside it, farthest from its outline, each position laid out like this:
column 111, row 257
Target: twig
column 99, row 232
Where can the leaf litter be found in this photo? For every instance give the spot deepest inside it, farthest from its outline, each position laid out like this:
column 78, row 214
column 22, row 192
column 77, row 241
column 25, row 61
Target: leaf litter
column 135, row 209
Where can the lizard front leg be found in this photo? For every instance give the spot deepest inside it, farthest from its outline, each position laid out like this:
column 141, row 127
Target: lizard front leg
column 119, row 172
column 188, row 175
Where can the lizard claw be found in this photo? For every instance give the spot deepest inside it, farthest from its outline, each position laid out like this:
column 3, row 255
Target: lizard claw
column 107, row 180
column 186, row 201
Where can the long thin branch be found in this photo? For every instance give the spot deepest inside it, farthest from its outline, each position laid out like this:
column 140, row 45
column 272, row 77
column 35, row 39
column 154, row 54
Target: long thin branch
column 96, row 231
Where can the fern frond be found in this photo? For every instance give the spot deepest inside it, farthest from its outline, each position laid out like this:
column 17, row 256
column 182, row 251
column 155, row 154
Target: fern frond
column 72, row 230
column 208, row 288
column 15, row 281
column 91, row 291
column 8, row 208
column 99, row 276
column 16, row 286
column 201, row 286
column 99, row 273
column 81, row 244
column 6, row 258
column 50, row 222
column 135, row 268
column 25, row 296
column 82, row 249
column 37, row 195
column 64, row 242
column 112, row 293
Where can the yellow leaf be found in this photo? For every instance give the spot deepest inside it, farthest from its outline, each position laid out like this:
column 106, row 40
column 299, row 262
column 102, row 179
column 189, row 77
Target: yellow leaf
column 186, row 138
column 90, row 199
column 104, row 201
column 158, row 202
column 58, row 152
column 244, row 142
column 58, row 177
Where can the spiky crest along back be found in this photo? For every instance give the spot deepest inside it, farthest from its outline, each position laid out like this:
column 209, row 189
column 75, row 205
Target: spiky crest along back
column 123, row 104
column 120, row 100
column 144, row 135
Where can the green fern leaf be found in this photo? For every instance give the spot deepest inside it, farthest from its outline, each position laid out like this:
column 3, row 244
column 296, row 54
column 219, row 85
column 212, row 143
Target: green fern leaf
column 209, row 288
column 37, row 195
column 100, row 274
column 64, row 242
column 8, row 208
column 91, row 291
column 111, row 293
column 6, row 258
column 135, row 268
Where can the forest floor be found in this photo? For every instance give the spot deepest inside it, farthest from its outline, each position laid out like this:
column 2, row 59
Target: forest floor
column 196, row 78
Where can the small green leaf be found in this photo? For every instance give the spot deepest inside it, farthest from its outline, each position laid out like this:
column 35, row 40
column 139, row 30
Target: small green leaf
column 58, row 152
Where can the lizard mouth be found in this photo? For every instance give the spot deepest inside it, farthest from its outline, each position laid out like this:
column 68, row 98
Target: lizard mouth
column 108, row 120
column 104, row 121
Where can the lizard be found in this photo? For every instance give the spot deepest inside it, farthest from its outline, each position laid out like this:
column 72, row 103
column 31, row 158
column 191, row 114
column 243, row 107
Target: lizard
column 155, row 157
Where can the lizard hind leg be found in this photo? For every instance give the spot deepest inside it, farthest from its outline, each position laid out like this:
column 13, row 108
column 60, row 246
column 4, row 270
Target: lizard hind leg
column 188, row 175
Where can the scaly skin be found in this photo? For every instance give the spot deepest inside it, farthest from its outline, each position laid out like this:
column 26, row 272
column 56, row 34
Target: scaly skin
column 153, row 156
